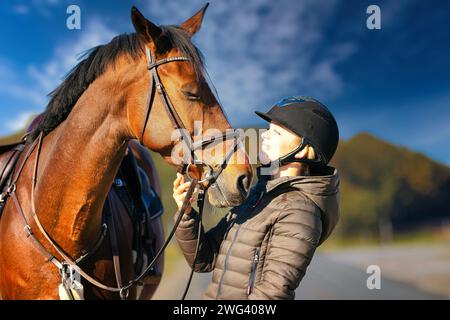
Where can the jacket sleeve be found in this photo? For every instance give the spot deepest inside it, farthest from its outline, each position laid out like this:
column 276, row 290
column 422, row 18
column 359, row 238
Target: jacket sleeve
column 296, row 234
column 186, row 235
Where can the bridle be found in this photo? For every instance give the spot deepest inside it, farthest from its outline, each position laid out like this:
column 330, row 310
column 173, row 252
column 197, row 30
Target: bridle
column 199, row 184
column 178, row 124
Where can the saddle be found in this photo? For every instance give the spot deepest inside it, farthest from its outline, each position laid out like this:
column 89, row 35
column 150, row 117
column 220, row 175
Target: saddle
column 134, row 190
column 9, row 155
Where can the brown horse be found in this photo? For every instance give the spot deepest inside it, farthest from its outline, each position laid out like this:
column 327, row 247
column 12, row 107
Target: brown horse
column 101, row 105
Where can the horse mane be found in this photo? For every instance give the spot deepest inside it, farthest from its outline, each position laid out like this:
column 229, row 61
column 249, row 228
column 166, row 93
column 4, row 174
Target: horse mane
column 94, row 62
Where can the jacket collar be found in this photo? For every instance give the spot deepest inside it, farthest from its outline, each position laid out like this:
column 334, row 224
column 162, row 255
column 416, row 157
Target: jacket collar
column 266, row 183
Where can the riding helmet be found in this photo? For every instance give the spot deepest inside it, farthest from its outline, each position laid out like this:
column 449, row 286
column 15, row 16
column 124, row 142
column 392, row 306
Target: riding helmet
column 309, row 119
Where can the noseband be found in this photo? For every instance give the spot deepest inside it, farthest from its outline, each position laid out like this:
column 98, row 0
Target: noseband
column 202, row 183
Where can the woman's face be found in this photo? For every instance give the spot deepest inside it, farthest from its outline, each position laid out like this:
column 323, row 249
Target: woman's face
column 277, row 142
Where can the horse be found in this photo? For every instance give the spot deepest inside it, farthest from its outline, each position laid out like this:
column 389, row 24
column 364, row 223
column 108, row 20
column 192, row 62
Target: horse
column 71, row 159
column 134, row 196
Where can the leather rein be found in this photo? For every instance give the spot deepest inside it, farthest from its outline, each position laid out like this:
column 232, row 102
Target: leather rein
column 202, row 185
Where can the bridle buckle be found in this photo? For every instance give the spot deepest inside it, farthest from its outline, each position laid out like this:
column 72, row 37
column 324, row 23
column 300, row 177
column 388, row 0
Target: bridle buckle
column 208, row 174
column 28, row 230
column 11, row 189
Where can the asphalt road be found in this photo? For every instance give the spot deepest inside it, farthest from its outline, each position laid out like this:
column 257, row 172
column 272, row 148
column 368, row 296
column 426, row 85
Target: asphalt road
column 328, row 277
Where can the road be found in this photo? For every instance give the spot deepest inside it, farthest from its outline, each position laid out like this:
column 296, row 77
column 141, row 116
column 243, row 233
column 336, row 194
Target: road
column 340, row 275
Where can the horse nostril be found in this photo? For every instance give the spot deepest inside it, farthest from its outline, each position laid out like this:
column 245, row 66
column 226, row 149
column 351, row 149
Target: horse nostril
column 243, row 184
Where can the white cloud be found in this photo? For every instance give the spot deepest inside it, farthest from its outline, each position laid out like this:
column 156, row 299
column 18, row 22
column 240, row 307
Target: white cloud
column 42, row 7
column 258, row 51
column 65, row 55
column 12, row 84
column 20, row 121
column 5, row 69
column 46, row 2
column 21, row 9
column 33, row 89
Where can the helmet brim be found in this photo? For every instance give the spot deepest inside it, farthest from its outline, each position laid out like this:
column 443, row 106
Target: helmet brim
column 265, row 116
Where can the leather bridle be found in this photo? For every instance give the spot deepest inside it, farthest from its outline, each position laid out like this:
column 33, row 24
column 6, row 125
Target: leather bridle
column 199, row 184
column 177, row 123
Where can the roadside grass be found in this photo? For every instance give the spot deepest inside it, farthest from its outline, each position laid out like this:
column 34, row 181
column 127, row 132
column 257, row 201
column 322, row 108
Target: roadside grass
column 172, row 256
column 427, row 236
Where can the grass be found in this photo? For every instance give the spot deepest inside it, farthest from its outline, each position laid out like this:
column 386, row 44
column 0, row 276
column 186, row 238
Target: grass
column 172, row 255
column 425, row 236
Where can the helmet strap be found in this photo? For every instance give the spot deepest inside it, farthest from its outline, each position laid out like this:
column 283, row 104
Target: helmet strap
column 290, row 157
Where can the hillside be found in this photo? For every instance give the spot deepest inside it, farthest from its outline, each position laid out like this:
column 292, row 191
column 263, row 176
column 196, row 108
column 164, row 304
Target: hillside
column 386, row 185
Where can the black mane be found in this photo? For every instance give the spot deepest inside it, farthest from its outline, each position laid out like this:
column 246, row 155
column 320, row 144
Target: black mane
column 94, row 63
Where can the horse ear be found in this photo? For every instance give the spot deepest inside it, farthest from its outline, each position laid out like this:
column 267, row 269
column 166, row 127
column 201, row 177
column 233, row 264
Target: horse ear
column 193, row 24
column 145, row 28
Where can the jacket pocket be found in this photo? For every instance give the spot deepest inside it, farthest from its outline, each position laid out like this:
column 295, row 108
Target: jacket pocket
column 251, row 282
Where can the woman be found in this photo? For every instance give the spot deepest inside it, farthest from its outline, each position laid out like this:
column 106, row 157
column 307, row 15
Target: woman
column 261, row 249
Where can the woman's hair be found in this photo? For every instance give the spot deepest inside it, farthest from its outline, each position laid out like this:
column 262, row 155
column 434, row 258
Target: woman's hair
column 311, row 152
column 304, row 167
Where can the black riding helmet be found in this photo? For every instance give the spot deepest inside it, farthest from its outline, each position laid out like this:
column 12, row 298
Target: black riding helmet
column 312, row 121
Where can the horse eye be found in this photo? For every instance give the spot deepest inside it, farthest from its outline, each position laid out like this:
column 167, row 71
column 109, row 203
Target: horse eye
column 191, row 96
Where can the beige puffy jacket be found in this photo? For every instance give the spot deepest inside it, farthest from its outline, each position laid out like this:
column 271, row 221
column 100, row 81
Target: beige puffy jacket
column 261, row 249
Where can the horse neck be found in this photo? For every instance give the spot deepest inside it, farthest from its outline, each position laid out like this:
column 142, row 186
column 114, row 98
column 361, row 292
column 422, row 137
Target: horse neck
column 78, row 163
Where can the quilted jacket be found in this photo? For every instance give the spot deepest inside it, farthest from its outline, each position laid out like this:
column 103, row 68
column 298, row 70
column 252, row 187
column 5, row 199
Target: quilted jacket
column 261, row 249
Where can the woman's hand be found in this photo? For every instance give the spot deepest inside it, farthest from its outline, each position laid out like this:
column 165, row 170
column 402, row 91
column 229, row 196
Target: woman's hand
column 180, row 189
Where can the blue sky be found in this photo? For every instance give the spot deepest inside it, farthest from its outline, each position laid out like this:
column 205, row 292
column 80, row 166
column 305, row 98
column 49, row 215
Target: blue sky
column 393, row 82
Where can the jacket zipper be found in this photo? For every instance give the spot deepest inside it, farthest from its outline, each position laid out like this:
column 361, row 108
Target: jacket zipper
column 231, row 246
column 226, row 261
column 253, row 272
